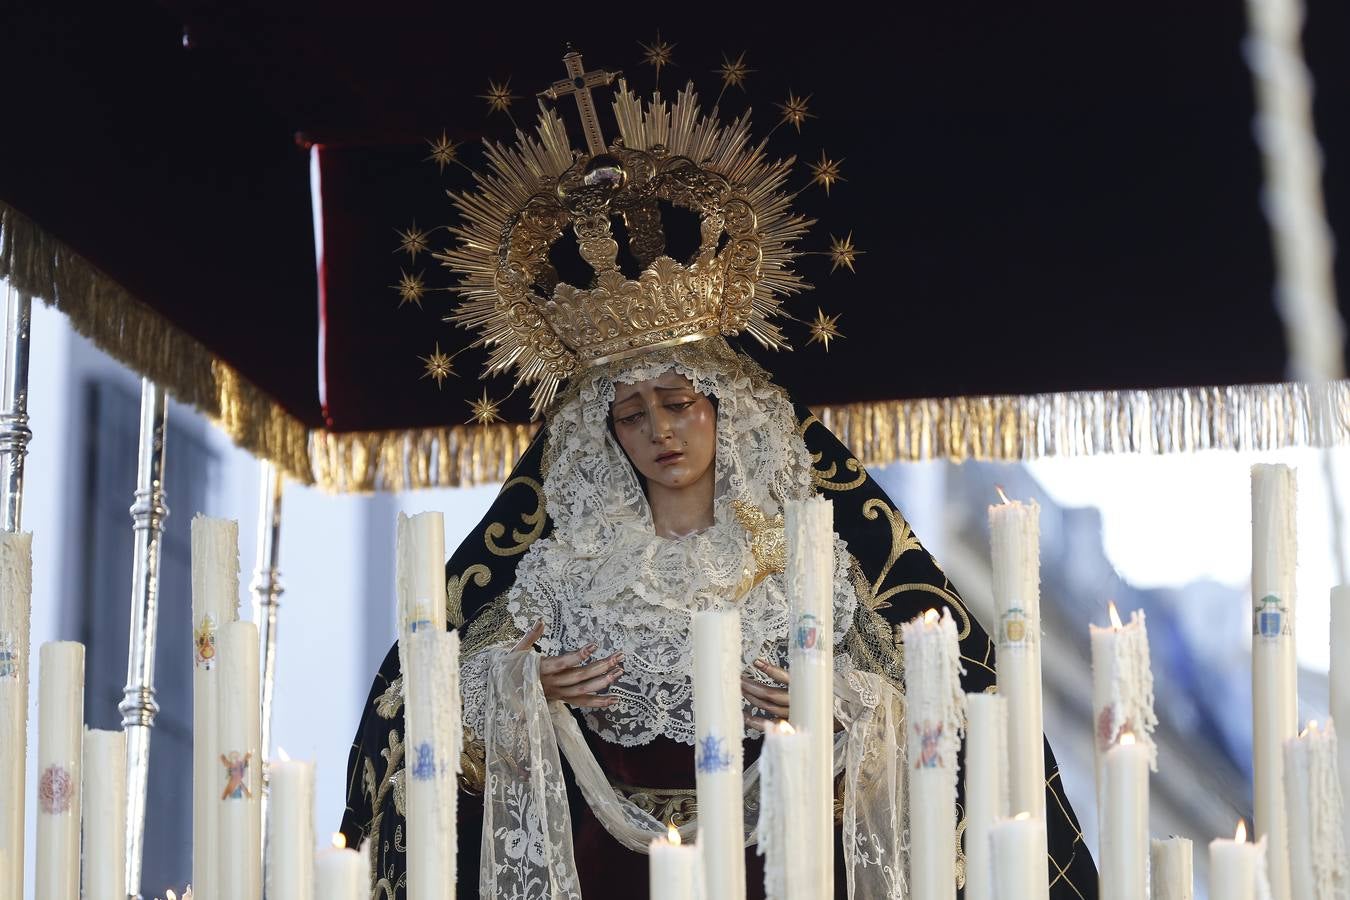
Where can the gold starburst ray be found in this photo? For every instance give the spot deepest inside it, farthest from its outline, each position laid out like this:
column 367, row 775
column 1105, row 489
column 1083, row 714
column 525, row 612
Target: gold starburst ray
column 657, row 54
column 444, row 152
column 825, row 172
column 824, row 329
column 484, row 411
column 499, row 99
column 794, row 111
column 733, row 73
column 842, row 252
column 412, row 241
column 438, row 366
column 410, row 289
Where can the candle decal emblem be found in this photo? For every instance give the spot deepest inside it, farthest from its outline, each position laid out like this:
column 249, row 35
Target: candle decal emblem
column 712, row 755
column 9, row 656
column 55, row 790
column 808, row 632
column 424, row 769
column 204, row 642
column 1271, row 619
column 236, row 775
column 929, row 736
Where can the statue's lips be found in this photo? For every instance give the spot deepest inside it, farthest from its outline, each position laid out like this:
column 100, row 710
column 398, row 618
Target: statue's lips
column 669, row 459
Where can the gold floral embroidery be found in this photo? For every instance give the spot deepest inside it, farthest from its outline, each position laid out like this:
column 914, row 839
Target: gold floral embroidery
column 902, row 541
column 535, row 520
column 388, row 704
column 454, row 591
column 822, row 477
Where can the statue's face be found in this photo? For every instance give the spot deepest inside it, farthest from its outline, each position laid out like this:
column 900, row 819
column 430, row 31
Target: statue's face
column 668, row 429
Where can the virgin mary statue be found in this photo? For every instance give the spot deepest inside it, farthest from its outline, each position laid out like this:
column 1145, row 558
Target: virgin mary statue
column 656, row 489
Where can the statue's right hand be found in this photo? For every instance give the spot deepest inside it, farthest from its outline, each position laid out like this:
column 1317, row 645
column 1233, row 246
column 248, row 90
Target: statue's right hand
column 570, row 678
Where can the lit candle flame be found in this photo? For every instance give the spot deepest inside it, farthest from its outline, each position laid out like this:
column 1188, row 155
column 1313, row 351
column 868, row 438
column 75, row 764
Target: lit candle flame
column 283, row 755
column 1240, row 835
column 340, row 841
column 1126, row 739
column 930, row 617
column 170, row 895
column 1115, row 616
column 1002, row 496
column 672, row 834
column 1022, row 817
column 783, row 726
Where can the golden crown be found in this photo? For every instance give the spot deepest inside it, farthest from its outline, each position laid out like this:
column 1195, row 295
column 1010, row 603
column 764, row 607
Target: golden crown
column 534, row 189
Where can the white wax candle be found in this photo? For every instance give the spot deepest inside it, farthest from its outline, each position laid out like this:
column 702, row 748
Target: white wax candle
column 1340, row 689
column 16, row 594
column 60, row 751
column 1015, row 541
column 1274, row 672
column 215, row 602
column 718, row 754
column 1017, row 851
column 341, row 873
column 1122, row 694
column 1232, row 868
column 986, row 787
column 1124, row 839
column 809, row 529
column 1297, row 819
column 290, row 829
column 238, row 775
column 420, row 572
column 1172, row 869
column 935, row 708
column 672, row 868
column 1317, row 854
column 105, row 815
column 433, row 746
column 1122, row 684
column 783, row 829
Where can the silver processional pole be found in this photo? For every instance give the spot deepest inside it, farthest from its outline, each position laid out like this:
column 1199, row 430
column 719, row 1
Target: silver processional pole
column 138, row 706
column 14, row 437
column 266, row 588
column 14, row 431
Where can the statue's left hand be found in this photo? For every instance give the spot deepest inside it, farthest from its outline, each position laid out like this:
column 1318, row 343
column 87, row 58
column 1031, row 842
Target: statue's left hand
column 773, row 700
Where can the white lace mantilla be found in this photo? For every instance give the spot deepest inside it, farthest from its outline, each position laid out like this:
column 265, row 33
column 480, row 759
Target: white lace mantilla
column 605, row 577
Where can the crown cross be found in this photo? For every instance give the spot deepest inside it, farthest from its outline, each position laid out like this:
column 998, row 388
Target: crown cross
column 579, row 83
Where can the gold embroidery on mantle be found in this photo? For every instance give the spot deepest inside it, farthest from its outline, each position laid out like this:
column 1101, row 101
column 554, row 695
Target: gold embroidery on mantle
column 674, row 805
column 454, row 591
column 821, row 477
column 902, row 541
column 535, row 520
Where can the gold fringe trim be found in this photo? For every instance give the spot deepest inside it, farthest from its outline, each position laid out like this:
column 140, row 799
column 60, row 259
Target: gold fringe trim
column 1004, row 428
column 1086, row 423
column 454, row 456
column 102, row 310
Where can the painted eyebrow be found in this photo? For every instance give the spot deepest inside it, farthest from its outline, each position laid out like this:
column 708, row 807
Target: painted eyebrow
column 637, row 396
